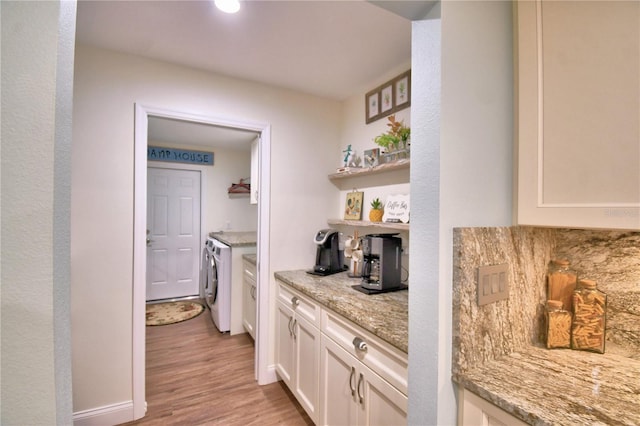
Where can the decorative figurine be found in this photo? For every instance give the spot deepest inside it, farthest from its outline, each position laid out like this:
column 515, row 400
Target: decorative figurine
column 347, row 155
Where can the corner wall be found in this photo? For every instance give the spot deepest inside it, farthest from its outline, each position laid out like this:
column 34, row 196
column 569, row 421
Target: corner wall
column 465, row 179
column 37, row 87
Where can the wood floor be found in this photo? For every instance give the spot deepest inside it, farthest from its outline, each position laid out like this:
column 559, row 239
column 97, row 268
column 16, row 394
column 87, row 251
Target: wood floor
column 198, row 376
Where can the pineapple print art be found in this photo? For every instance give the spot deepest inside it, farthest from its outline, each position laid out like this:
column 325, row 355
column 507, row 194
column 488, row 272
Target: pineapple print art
column 376, row 212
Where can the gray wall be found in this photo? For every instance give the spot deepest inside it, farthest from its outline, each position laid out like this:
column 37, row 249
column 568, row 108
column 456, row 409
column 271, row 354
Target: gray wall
column 37, row 79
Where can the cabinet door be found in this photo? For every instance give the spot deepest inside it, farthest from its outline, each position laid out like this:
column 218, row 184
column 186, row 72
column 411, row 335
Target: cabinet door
column 249, row 299
column 475, row 411
column 248, row 307
column 307, row 362
column 284, row 343
column 338, row 382
column 578, row 114
column 382, row 404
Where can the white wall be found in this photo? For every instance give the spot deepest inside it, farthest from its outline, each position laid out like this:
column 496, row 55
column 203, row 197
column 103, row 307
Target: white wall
column 304, row 140
column 461, row 175
column 37, row 77
column 360, row 136
column 221, row 211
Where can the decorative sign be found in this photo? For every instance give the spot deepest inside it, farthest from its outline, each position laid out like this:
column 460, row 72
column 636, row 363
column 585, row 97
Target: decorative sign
column 156, row 153
column 396, row 209
column 353, row 206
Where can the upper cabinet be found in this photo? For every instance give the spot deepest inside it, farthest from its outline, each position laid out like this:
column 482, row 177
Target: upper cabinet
column 578, row 114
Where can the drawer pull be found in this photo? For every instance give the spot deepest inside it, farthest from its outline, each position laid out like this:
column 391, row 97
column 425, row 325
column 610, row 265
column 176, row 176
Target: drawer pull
column 295, row 301
column 359, row 344
column 352, row 379
column 360, row 395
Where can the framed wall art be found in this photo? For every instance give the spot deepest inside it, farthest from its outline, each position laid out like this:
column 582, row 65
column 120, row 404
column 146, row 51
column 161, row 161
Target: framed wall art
column 392, row 96
column 373, row 105
column 371, row 157
column 353, row 206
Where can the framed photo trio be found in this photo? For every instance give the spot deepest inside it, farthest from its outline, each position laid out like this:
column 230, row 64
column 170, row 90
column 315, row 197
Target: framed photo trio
column 388, row 98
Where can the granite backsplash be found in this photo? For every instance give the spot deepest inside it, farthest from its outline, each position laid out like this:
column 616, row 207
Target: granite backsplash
column 485, row 333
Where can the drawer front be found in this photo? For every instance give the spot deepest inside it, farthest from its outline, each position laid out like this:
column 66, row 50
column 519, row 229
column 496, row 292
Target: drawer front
column 387, row 361
column 249, row 270
column 302, row 305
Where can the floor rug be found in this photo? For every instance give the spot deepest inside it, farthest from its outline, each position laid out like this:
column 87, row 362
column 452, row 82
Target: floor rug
column 172, row 312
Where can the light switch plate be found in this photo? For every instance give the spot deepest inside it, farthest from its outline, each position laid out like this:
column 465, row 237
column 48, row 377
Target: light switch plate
column 493, row 283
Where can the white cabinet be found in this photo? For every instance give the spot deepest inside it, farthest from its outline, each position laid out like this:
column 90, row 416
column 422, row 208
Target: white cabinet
column 363, row 381
column 578, row 114
column 339, row 373
column 298, row 347
column 475, row 411
column 249, row 306
column 352, row 394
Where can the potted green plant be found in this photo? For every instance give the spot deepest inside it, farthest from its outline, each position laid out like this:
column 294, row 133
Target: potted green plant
column 396, row 139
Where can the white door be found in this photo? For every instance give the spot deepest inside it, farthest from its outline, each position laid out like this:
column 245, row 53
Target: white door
column 173, row 220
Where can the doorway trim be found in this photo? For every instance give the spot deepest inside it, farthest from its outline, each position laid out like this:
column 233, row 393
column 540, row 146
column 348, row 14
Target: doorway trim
column 141, row 123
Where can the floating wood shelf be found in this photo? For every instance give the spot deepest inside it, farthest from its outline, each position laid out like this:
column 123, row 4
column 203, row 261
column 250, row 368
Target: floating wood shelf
column 364, row 171
column 364, row 223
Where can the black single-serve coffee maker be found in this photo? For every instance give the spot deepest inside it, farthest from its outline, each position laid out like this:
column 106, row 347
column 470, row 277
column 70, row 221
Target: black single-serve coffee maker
column 382, row 262
column 329, row 257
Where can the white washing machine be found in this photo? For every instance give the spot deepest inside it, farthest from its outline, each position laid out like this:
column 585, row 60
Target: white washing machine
column 216, row 282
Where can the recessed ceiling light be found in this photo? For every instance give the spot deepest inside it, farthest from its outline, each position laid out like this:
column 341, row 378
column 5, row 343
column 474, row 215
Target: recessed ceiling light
column 228, row 6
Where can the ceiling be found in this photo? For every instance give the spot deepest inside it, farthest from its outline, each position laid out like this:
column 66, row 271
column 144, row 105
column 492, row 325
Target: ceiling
column 331, row 49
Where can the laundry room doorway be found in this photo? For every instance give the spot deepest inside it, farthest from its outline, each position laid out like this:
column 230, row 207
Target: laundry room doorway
column 173, row 233
column 264, row 374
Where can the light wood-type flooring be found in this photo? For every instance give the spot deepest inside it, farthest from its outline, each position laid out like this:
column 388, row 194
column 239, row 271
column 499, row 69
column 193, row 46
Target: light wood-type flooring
column 197, row 376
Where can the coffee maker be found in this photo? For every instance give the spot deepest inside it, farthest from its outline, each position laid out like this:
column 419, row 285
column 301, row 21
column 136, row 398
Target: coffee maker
column 382, row 262
column 329, row 256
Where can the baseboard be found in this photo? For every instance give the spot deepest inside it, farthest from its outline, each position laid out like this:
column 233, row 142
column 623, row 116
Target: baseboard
column 113, row 414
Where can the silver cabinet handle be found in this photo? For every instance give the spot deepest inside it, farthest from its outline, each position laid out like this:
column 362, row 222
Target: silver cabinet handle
column 295, row 336
column 253, row 292
column 295, row 301
column 360, row 382
column 352, row 379
column 290, row 329
column 359, row 344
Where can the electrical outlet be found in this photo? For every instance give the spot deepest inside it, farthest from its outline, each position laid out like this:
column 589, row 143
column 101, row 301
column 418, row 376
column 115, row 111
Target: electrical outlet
column 493, row 283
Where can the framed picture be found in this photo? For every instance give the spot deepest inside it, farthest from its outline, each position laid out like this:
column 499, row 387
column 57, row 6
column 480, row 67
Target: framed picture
column 401, row 90
column 388, row 98
column 353, row 206
column 371, row 157
column 373, row 105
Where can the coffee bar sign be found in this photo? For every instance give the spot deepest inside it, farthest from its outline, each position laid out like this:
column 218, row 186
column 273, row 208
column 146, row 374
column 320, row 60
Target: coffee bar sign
column 156, row 153
column 396, row 209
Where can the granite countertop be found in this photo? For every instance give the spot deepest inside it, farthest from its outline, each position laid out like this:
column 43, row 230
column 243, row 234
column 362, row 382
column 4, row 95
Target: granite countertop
column 384, row 315
column 236, row 239
column 560, row 387
column 251, row 258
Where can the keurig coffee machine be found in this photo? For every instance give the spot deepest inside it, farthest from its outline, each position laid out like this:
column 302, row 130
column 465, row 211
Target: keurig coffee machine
column 329, row 257
column 382, row 262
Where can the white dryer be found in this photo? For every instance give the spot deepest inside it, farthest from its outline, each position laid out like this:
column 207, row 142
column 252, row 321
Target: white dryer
column 216, row 283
